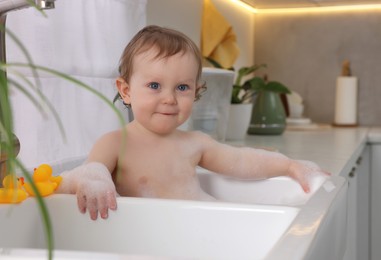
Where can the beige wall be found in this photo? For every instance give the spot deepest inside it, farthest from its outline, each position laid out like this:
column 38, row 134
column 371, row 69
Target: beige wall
column 185, row 15
column 305, row 51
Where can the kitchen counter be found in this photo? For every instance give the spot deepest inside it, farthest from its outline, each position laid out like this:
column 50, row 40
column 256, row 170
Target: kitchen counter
column 333, row 149
column 374, row 135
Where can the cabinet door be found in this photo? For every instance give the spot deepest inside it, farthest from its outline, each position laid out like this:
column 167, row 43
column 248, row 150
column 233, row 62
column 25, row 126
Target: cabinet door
column 358, row 208
column 376, row 202
column 363, row 205
column 351, row 250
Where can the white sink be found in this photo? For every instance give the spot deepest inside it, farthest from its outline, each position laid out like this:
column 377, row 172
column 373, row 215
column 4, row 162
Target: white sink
column 274, row 191
column 243, row 228
column 166, row 228
column 317, row 232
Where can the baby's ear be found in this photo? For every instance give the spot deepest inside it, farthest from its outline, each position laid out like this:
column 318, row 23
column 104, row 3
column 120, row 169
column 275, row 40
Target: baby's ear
column 124, row 89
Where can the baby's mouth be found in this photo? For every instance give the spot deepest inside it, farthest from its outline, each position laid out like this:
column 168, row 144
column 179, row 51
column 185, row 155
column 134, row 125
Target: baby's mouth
column 168, row 113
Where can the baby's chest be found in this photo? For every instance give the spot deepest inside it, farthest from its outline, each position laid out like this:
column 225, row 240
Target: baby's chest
column 156, row 173
column 154, row 160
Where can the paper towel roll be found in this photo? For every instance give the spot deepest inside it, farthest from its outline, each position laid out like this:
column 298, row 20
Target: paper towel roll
column 346, row 101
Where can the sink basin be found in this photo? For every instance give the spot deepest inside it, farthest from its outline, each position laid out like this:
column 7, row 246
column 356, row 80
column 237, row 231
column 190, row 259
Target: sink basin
column 293, row 225
column 274, row 191
column 283, row 190
column 319, row 229
column 156, row 227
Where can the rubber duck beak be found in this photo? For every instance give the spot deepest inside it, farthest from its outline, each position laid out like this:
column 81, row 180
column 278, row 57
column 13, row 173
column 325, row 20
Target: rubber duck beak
column 21, row 179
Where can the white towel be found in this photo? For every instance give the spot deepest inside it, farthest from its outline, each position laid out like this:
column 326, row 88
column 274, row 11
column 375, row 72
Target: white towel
column 83, row 39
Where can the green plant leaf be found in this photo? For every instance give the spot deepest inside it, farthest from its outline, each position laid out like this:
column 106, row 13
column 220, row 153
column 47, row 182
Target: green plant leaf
column 259, row 84
column 244, row 71
column 42, row 206
column 277, row 87
column 6, row 118
column 24, row 52
column 6, row 123
column 256, row 83
column 40, row 103
column 76, row 82
column 6, row 137
column 235, row 92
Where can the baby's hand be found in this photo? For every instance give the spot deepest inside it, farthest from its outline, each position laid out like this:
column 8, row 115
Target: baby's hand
column 304, row 171
column 94, row 187
column 96, row 195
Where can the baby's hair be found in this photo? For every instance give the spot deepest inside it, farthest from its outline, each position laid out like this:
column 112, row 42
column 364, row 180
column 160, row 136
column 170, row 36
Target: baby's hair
column 168, row 42
column 200, row 90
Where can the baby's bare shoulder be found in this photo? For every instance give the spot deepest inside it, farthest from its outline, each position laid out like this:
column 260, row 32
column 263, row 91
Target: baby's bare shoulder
column 111, row 138
column 198, row 137
column 106, row 149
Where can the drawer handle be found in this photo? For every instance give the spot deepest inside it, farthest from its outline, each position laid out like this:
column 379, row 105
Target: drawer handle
column 352, row 172
column 359, row 160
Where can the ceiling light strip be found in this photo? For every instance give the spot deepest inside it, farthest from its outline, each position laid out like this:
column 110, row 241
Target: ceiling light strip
column 245, row 5
column 308, row 9
column 321, row 9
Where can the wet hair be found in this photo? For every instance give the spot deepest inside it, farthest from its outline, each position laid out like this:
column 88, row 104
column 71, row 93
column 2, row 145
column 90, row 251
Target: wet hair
column 168, row 42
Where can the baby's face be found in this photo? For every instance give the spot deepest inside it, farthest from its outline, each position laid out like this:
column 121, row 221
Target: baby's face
column 162, row 90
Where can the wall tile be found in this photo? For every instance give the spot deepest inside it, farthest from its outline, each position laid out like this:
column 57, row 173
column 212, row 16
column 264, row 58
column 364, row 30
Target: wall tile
column 305, row 51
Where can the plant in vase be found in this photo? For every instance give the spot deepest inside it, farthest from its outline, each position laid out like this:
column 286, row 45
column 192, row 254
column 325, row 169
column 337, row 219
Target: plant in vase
column 242, row 103
column 268, row 116
column 241, row 93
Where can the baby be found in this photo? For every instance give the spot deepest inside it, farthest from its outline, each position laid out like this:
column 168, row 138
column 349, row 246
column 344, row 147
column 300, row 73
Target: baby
column 160, row 72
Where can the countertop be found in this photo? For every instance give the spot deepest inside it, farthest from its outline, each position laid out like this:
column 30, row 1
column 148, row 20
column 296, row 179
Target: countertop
column 334, row 149
column 374, row 135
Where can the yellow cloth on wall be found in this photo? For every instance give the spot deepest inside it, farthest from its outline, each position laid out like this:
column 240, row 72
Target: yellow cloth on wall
column 218, row 40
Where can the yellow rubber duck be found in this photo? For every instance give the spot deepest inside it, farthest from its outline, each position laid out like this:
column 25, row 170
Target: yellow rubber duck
column 11, row 194
column 44, row 181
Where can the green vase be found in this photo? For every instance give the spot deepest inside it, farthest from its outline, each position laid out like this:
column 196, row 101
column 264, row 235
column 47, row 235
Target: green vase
column 268, row 116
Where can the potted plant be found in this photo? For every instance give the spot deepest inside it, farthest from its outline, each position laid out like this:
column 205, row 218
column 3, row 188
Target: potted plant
column 9, row 144
column 268, row 116
column 242, row 102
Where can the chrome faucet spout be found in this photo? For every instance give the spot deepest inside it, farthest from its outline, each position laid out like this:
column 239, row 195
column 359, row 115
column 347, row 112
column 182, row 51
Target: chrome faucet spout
column 10, row 5
column 45, row 4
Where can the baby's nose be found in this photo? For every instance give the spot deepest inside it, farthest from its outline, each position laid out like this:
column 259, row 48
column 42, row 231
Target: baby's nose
column 169, row 97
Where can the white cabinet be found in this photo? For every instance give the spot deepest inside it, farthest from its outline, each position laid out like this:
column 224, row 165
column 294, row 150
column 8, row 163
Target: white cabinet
column 358, row 208
column 376, row 201
column 351, row 250
column 363, row 173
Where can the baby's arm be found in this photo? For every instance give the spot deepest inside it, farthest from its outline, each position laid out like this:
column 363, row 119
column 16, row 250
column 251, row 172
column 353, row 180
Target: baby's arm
column 92, row 181
column 250, row 163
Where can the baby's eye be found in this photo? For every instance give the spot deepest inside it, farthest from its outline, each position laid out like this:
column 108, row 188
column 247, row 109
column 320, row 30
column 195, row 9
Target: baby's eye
column 183, row 87
column 154, row 85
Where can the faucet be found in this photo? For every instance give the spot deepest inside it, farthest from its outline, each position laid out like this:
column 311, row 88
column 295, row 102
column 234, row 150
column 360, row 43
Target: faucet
column 5, row 7
column 10, row 5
